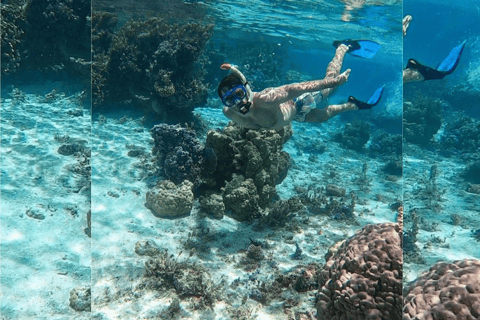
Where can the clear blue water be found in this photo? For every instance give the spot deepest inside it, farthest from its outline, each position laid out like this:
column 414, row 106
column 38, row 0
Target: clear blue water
column 44, row 259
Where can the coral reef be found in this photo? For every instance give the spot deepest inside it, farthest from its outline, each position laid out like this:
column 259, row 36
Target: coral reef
column 354, row 136
column 13, row 15
column 45, row 35
column 153, row 63
column 422, row 118
column 385, row 144
column 212, row 203
column 147, row 248
column 250, row 163
column 168, row 200
column 411, row 251
column 336, row 207
column 445, row 291
column 461, row 136
column 80, row 299
column 103, row 26
column 472, row 172
column 181, row 157
column 363, row 278
column 236, row 171
column 281, row 213
column 428, row 191
column 241, row 197
column 476, row 234
column 163, row 273
column 473, row 188
column 394, row 167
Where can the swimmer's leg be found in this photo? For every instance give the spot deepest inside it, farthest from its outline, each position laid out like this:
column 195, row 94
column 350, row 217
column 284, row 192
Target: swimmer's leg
column 322, row 115
column 353, row 104
column 334, row 67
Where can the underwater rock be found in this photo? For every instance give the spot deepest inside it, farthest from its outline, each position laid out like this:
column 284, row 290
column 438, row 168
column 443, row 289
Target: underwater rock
column 35, row 214
column 445, row 291
column 422, row 118
column 80, row 299
column 69, row 149
column 472, row 172
column 474, row 188
column 146, row 248
column 168, row 200
column 354, row 136
column 335, row 191
column 394, row 167
column 362, row 278
column 213, row 203
column 255, row 252
column 135, row 153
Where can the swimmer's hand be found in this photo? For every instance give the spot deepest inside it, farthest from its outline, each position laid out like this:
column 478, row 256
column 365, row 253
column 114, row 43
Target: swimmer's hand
column 225, row 66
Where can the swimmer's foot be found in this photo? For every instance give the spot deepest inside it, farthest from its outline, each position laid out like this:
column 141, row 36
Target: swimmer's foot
column 406, row 22
column 343, row 77
column 446, row 67
column 373, row 101
column 360, row 48
column 351, row 44
column 426, row 72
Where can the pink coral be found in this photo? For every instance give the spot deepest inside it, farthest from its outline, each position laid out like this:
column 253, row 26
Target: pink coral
column 448, row 291
column 363, row 278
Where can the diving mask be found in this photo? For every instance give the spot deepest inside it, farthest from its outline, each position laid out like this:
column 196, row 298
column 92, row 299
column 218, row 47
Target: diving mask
column 234, row 95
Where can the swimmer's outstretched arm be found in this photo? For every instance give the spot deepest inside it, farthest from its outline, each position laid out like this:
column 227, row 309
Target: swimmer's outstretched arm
column 290, row 91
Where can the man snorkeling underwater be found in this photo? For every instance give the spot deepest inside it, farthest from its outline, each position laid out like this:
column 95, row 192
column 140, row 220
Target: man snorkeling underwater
column 274, row 108
column 415, row 71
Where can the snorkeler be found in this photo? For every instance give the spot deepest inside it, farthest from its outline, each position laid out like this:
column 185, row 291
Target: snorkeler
column 274, row 108
column 415, row 71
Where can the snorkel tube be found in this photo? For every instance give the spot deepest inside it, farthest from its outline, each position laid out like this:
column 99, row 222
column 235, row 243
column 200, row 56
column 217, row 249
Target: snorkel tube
column 235, row 71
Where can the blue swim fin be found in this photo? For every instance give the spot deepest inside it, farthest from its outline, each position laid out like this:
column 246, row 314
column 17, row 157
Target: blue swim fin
column 446, row 67
column 360, row 48
column 449, row 64
column 373, row 101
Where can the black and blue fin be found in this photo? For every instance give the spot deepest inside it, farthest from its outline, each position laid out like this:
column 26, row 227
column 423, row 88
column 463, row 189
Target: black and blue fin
column 427, row 72
column 360, row 48
column 373, row 101
column 449, row 64
column 446, row 67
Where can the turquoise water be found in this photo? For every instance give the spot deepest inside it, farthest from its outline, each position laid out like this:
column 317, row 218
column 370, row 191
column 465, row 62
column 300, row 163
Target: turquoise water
column 78, row 158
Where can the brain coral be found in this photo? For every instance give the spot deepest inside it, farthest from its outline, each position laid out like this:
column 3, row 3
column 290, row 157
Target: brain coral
column 448, row 291
column 363, row 278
